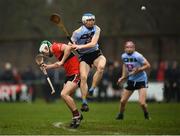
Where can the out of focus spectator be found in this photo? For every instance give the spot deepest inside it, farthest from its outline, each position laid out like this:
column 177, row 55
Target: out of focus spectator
column 116, row 73
column 171, row 87
column 29, row 77
column 153, row 72
column 161, row 71
column 7, row 74
column 174, row 81
column 11, row 76
column 18, row 81
column 17, row 75
column 167, row 88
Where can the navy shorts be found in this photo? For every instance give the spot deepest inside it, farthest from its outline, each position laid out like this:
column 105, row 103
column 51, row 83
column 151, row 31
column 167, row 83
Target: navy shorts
column 90, row 57
column 132, row 85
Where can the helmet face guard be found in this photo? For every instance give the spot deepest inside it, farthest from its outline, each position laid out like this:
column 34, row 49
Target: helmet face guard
column 87, row 16
column 45, row 44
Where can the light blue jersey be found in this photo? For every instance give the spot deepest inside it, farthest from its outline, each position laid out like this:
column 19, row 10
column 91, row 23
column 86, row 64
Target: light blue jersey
column 134, row 60
column 84, row 35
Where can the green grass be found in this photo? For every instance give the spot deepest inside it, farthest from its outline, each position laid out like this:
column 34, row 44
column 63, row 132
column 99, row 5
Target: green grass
column 39, row 117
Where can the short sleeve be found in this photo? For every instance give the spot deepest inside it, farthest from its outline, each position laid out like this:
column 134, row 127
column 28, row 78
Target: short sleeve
column 98, row 30
column 140, row 58
column 74, row 36
column 122, row 57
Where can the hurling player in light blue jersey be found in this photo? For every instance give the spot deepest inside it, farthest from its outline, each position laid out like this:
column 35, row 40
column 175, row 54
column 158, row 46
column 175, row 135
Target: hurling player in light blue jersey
column 134, row 66
column 85, row 41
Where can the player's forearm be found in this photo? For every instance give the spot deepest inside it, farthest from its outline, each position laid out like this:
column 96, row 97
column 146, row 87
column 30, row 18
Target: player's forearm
column 144, row 67
column 51, row 66
column 92, row 43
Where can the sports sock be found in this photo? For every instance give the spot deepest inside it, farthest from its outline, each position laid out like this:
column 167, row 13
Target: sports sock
column 146, row 113
column 75, row 113
column 84, row 101
column 91, row 89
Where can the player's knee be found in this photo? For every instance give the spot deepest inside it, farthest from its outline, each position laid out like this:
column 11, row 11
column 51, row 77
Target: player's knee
column 63, row 94
column 100, row 68
column 101, row 64
column 83, row 78
column 123, row 102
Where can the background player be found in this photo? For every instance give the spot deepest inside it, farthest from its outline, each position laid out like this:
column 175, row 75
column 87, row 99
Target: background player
column 134, row 64
column 70, row 63
column 86, row 42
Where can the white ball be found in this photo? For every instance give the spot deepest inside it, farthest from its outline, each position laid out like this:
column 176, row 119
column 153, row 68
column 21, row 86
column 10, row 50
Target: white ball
column 143, row 8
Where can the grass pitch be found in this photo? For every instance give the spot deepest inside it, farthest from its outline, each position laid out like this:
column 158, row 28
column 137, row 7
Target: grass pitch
column 42, row 118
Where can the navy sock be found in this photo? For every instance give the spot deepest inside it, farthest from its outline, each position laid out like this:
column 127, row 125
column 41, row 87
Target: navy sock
column 84, row 101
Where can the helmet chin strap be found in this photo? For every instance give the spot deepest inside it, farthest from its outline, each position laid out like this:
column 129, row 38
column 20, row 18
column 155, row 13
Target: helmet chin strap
column 50, row 53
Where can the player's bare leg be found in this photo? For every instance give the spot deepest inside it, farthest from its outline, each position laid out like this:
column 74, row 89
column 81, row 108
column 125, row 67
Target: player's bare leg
column 99, row 63
column 84, row 71
column 125, row 96
column 142, row 102
column 68, row 89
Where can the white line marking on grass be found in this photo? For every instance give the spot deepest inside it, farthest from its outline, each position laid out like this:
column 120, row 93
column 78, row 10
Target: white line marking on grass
column 62, row 125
